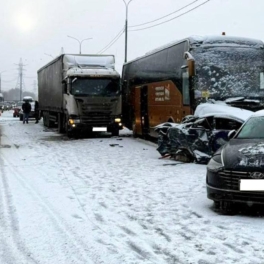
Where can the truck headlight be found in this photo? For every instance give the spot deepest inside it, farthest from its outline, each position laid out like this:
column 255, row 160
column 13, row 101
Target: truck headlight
column 117, row 120
column 74, row 121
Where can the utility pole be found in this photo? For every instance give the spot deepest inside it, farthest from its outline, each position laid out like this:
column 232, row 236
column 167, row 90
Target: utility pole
column 126, row 4
column 20, row 76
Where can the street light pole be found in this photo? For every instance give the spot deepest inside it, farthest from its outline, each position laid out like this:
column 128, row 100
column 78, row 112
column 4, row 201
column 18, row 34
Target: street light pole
column 80, row 42
column 126, row 4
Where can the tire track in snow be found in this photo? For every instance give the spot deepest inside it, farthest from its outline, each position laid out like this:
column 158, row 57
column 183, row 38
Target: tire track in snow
column 85, row 253
column 39, row 144
column 12, row 246
column 82, row 180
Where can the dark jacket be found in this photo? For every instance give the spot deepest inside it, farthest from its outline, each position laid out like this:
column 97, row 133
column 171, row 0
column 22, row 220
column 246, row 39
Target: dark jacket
column 26, row 107
column 36, row 106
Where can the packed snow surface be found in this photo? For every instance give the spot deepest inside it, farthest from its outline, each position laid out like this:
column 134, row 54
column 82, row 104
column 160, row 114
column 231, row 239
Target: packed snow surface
column 110, row 200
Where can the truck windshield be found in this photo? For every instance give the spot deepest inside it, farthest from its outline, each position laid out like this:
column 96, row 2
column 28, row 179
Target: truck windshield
column 95, row 87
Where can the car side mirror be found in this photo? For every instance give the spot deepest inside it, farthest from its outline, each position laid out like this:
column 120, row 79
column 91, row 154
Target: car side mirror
column 231, row 134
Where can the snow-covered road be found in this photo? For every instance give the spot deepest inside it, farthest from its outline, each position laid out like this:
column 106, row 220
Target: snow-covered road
column 110, row 200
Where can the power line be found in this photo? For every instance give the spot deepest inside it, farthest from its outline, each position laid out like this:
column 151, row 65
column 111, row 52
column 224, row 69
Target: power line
column 112, row 41
column 165, row 15
column 171, row 18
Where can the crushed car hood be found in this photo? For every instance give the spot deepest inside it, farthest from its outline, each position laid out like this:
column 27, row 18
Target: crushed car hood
column 244, row 155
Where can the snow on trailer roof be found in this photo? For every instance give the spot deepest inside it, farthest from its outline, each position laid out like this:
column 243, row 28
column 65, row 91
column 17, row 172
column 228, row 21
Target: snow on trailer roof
column 81, row 59
column 196, row 40
column 225, row 41
column 207, row 109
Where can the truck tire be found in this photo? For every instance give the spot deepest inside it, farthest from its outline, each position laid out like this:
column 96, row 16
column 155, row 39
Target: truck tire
column 46, row 120
column 61, row 123
column 66, row 126
column 20, row 117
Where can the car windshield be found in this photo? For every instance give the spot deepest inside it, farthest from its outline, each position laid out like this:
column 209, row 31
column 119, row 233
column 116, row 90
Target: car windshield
column 253, row 128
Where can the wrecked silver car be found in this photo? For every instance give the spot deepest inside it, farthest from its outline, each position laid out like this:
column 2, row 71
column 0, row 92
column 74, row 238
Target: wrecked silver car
column 200, row 135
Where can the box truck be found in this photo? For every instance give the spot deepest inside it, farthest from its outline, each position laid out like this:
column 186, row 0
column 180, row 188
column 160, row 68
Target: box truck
column 79, row 93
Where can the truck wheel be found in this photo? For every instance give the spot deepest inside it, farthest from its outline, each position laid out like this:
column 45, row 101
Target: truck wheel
column 20, row 117
column 46, row 120
column 60, row 123
column 66, row 126
column 69, row 134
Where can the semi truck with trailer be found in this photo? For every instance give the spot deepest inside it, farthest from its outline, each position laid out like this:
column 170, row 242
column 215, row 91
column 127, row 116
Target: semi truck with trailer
column 80, row 93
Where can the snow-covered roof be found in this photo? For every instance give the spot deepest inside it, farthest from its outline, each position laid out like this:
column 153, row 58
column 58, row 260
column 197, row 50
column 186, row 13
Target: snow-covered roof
column 104, row 72
column 196, row 40
column 206, row 109
column 258, row 113
column 225, row 41
column 88, row 61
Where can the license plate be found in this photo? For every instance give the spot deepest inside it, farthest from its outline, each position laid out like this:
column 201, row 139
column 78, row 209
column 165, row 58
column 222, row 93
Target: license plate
column 99, row 129
column 251, row 185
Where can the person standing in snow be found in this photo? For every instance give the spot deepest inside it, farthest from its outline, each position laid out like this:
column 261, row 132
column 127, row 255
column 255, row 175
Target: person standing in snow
column 26, row 107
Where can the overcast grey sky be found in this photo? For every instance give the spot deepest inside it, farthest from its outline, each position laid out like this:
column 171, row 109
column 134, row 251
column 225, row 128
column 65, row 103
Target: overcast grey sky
column 31, row 28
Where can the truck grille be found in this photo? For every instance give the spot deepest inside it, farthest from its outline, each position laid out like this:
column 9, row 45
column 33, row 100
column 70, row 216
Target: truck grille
column 96, row 118
column 96, row 114
column 231, row 178
column 96, row 108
